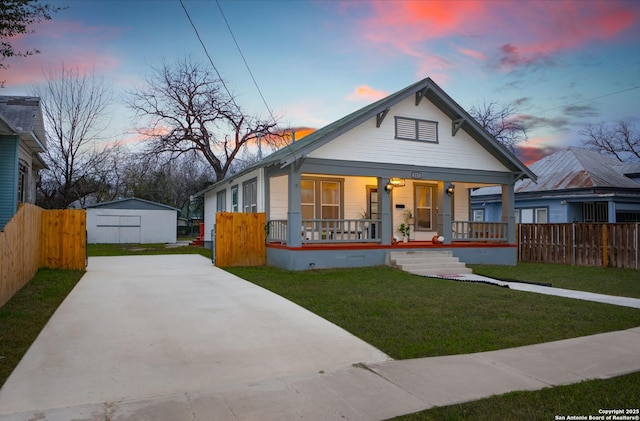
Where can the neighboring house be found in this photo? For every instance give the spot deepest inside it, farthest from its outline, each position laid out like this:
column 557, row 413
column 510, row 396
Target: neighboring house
column 22, row 138
column 574, row 185
column 336, row 197
column 133, row 220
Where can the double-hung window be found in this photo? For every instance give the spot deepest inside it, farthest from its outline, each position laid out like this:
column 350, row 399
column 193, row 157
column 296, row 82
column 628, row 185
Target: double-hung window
column 221, row 201
column 321, row 198
column 250, row 196
column 234, row 198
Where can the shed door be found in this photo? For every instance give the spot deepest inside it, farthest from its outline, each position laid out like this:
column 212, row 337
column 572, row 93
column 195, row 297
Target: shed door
column 118, row 229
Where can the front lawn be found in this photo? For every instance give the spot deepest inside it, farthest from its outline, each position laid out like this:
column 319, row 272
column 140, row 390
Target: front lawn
column 144, row 249
column 25, row 314
column 409, row 316
column 578, row 400
column 610, row 281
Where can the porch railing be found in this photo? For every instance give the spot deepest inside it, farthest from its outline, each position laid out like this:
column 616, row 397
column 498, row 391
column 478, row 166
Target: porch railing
column 329, row 230
column 368, row 230
column 479, row 231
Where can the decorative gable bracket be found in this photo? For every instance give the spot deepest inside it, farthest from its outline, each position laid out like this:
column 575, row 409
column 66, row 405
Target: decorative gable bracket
column 456, row 125
column 380, row 117
column 421, row 94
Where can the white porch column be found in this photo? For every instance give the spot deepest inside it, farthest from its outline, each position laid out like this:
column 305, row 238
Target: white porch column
column 384, row 209
column 294, row 215
column 508, row 211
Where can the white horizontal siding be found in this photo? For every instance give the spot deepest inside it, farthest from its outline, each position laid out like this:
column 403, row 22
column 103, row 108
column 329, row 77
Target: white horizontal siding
column 371, row 144
column 278, row 199
column 211, row 202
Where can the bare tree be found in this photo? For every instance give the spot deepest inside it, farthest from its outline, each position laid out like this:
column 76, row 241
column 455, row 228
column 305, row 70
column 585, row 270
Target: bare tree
column 502, row 123
column 621, row 140
column 186, row 108
column 15, row 18
column 164, row 180
column 75, row 106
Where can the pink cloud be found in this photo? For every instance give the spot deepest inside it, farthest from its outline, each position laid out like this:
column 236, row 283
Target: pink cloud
column 521, row 33
column 364, row 92
column 472, row 53
column 76, row 45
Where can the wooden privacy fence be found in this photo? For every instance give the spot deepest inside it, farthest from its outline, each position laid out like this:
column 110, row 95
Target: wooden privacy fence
column 608, row 245
column 36, row 238
column 240, row 239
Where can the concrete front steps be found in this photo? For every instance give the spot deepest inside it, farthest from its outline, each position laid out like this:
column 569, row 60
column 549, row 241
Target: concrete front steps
column 427, row 262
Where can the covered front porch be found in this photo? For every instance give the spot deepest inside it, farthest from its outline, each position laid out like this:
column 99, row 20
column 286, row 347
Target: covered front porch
column 352, row 219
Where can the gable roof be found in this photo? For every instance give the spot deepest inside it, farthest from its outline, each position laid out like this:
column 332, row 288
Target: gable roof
column 133, row 203
column 22, row 115
column 575, row 168
column 426, row 88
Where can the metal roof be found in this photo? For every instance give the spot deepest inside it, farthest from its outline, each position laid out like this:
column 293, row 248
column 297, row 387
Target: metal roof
column 575, row 168
column 133, row 203
column 22, row 115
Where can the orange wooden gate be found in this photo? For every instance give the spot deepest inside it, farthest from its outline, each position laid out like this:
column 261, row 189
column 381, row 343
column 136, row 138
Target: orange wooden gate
column 240, row 239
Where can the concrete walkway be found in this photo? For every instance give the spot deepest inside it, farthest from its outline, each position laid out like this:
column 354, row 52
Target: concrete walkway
column 541, row 289
column 174, row 338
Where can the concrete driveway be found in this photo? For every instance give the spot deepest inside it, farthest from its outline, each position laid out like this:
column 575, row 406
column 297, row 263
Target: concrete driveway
column 174, row 338
column 140, row 327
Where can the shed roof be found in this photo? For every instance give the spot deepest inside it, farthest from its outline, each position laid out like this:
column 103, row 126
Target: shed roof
column 426, row 88
column 133, row 203
column 22, row 115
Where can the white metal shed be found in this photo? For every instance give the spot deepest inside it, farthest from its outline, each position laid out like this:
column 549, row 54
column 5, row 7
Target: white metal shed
column 131, row 220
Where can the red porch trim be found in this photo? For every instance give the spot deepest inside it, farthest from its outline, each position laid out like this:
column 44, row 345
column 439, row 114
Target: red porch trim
column 398, row 246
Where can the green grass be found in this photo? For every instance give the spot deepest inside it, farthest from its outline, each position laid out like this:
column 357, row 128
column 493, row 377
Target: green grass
column 143, row 249
column 581, row 399
column 409, row 316
column 611, row 281
column 25, row 314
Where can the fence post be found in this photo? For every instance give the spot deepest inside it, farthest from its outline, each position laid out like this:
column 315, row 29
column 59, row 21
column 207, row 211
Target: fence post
column 635, row 236
column 605, row 251
column 573, row 244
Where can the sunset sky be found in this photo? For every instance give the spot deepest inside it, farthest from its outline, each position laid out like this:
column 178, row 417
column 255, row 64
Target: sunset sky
column 562, row 63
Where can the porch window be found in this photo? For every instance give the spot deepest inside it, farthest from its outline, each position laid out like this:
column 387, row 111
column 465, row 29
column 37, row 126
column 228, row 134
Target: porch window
column 250, row 196
column 234, row 198
column 532, row 215
column 321, row 198
column 424, row 199
column 478, row 215
column 595, row 212
column 415, row 129
column 308, row 199
column 221, row 201
column 330, row 205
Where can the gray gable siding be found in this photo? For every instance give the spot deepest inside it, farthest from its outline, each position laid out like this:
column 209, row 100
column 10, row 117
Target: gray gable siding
column 8, row 178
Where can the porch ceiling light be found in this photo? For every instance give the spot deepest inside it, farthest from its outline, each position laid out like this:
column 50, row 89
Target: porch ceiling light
column 397, row 182
column 388, row 187
column 451, row 189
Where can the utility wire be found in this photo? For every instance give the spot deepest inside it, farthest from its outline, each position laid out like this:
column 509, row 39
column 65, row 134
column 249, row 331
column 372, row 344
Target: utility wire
column 245, row 60
column 590, row 99
column 207, row 54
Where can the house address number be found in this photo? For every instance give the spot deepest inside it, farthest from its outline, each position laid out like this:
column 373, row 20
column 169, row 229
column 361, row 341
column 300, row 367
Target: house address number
column 416, row 175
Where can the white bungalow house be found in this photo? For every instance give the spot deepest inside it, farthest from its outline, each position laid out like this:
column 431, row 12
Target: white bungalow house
column 337, row 197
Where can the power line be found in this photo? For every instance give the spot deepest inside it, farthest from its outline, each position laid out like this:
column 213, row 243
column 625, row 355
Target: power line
column 245, row 60
column 590, row 99
column 207, row 53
